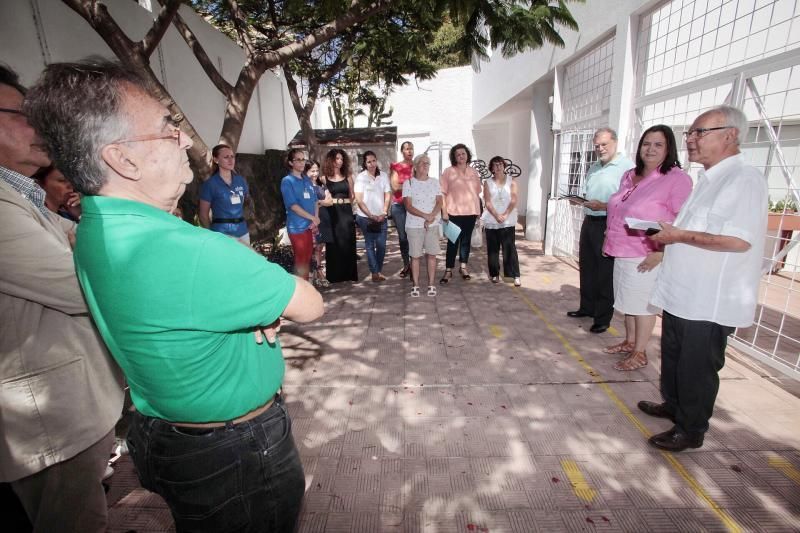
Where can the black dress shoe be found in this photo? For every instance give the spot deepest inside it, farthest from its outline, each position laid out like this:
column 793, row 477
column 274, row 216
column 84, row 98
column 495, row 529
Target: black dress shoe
column 577, row 314
column 598, row 328
column 658, row 410
column 675, row 440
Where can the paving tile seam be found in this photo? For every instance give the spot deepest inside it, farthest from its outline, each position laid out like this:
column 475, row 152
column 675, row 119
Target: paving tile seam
column 728, row 521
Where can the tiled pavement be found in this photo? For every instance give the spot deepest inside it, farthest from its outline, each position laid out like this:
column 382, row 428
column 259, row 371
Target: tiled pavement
column 487, row 409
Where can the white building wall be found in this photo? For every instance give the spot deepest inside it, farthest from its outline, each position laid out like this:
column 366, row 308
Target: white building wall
column 34, row 33
column 425, row 112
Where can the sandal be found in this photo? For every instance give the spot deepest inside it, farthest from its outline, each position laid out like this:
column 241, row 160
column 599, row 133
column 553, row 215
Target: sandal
column 446, row 277
column 495, row 279
column 622, row 347
column 415, row 292
column 431, row 290
column 406, row 270
column 634, row 361
column 464, row 273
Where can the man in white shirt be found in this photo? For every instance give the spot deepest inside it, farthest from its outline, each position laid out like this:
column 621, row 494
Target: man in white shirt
column 708, row 284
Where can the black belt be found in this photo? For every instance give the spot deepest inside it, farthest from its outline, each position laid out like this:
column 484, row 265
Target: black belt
column 226, row 220
column 596, row 217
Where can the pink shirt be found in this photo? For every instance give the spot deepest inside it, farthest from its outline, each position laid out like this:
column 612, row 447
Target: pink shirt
column 461, row 191
column 657, row 197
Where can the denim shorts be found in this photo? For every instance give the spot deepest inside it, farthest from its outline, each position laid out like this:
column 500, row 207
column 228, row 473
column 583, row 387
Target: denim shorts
column 242, row 477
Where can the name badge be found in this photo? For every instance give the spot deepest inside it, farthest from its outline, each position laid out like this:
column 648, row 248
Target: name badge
column 235, row 199
column 306, row 195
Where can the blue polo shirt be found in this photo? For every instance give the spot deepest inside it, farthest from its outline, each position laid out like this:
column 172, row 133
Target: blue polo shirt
column 224, row 203
column 298, row 191
column 603, row 180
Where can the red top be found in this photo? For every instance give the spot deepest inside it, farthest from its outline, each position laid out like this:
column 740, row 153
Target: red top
column 403, row 173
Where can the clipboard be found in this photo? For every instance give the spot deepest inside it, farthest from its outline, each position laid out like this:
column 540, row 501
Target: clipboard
column 451, row 231
column 573, row 198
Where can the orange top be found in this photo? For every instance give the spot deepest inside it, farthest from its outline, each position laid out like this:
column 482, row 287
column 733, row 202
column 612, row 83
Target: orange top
column 461, row 191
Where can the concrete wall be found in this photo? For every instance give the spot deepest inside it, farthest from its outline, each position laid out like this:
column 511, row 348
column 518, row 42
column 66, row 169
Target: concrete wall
column 37, row 32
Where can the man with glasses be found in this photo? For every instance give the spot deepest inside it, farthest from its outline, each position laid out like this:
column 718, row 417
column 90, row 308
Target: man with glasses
column 178, row 307
column 708, row 284
column 597, row 269
column 60, row 392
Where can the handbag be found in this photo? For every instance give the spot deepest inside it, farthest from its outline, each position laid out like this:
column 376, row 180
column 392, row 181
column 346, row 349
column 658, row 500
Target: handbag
column 477, row 236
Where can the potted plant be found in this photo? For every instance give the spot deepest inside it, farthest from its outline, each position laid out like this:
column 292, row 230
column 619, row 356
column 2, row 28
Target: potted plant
column 783, row 215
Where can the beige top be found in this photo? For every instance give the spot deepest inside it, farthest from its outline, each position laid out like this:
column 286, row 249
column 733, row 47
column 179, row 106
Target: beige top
column 60, row 391
column 461, row 191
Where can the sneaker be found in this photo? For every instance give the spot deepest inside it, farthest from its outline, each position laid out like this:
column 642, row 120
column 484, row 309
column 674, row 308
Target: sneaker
column 108, row 473
column 517, row 282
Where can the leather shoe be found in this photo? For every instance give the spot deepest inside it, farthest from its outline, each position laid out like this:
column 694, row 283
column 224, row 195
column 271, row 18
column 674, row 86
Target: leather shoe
column 598, row 328
column 659, row 410
column 675, row 440
column 577, row 314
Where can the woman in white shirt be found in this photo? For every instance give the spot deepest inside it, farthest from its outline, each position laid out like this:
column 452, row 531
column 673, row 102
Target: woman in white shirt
column 423, row 200
column 373, row 193
column 500, row 220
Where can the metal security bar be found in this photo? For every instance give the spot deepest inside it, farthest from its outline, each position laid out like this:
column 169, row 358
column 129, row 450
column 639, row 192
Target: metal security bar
column 685, row 40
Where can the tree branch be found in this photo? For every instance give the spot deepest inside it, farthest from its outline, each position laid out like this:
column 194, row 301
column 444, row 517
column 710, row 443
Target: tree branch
column 169, row 8
column 200, row 54
column 357, row 13
column 240, row 25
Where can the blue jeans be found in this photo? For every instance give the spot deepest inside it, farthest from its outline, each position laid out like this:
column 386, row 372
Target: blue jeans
column 242, row 477
column 375, row 243
column 399, row 217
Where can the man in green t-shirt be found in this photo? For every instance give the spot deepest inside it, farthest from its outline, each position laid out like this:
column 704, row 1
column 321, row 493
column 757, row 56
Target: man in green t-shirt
column 178, row 307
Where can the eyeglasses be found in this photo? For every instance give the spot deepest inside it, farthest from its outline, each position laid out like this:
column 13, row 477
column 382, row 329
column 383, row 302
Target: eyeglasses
column 12, row 111
column 628, row 194
column 702, row 132
column 175, row 134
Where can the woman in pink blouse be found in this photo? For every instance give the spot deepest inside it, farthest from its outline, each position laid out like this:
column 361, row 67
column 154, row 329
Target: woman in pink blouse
column 461, row 189
column 654, row 190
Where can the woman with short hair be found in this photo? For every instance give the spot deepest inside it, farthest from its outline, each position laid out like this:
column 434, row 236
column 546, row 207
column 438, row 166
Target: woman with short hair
column 500, row 220
column 423, row 202
column 300, row 200
column 461, row 189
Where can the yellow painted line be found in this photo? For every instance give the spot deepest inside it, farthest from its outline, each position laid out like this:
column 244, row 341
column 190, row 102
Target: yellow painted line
column 613, row 331
column 580, row 486
column 496, row 331
column 726, row 519
column 786, row 468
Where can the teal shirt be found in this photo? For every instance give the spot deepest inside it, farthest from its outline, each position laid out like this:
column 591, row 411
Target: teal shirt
column 603, row 180
column 177, row 306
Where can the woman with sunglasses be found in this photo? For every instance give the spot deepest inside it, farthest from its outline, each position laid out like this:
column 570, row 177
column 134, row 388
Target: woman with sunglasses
column 653, row 190
column 223, row 195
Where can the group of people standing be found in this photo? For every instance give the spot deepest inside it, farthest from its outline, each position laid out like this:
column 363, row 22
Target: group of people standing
column 325, row 207
column 650, row 244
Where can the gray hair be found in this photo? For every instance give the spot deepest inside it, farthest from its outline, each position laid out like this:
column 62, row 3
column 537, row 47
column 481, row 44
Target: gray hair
column 734, row 117
column 77, row 109
column 610, row 131
column 418, row 160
